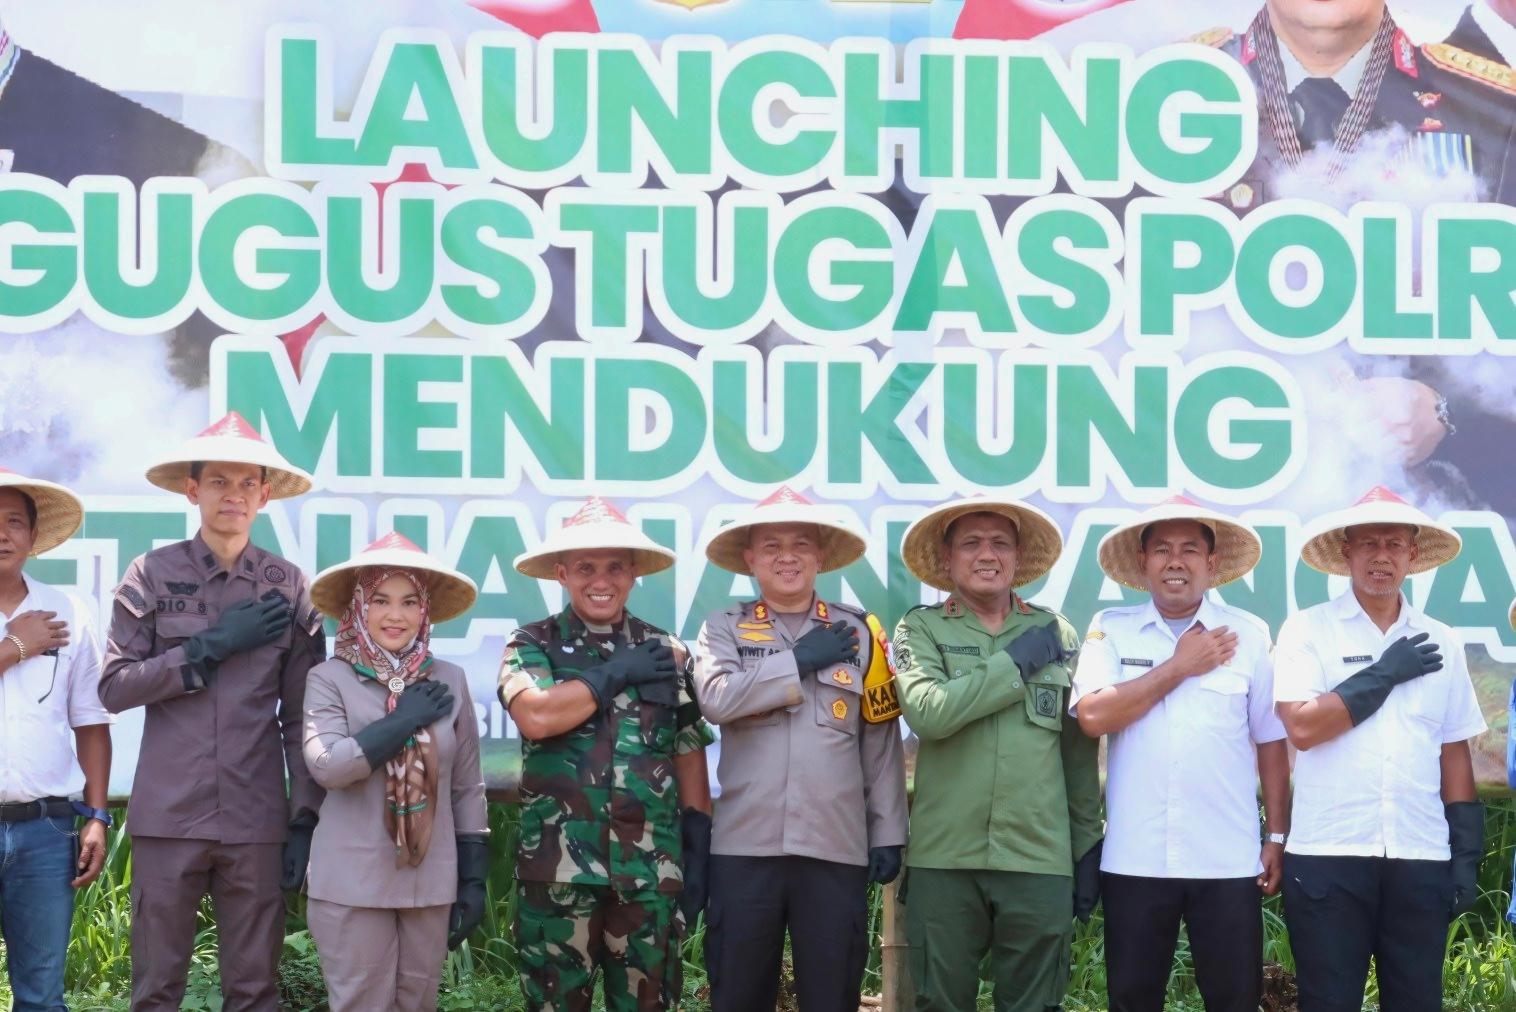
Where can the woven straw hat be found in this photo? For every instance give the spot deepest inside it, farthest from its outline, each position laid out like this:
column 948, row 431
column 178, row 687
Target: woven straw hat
column 841, row 542
column 597, row 525
column 1237, row 546
column 452, row 593
column 1037, row 536
column 1325, row 536
column 59, row 511
column 234, row 441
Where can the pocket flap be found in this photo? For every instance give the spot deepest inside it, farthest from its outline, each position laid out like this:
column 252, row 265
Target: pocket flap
column 180, row 627
column 1227, row 683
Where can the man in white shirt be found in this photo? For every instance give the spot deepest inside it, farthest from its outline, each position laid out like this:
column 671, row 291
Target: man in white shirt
column 1182, row 685
column 49, row 684
column 1387, row 832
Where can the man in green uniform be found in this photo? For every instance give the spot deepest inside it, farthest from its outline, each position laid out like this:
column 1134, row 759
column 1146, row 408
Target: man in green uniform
column 615, row 798
column 1006, row 822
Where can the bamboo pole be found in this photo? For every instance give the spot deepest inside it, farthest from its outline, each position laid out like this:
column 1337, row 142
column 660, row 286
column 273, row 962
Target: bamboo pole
column 898, row 993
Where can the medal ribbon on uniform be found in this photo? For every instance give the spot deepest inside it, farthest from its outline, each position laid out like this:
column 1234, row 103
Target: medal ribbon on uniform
column 1276, row 99
column 410, row 778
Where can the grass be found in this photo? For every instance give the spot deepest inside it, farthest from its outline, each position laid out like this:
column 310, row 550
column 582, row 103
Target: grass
column 1479, row 974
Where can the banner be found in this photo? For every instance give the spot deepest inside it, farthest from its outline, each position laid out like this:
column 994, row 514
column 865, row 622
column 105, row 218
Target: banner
column 470, row 264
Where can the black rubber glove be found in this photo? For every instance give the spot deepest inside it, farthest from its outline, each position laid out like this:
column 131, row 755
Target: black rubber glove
column 647, row 662
column 297, row 854
column 1087, row 882
column 421, row 703
column 1036, row 648
column 695, row 832
column 826, row 645
column 244, row 626
column 1466, row 840
column 660, row 686
column 1364, row 692
column 468, row 908
column 884, row 864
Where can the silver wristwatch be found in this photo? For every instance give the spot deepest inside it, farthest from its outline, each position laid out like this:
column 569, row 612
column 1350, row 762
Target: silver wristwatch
column 1278, row 838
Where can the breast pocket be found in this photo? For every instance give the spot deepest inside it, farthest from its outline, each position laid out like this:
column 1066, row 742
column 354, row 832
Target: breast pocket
column 837, row 709
column 1221, row 704
column 1047, row 696
column 171, row 630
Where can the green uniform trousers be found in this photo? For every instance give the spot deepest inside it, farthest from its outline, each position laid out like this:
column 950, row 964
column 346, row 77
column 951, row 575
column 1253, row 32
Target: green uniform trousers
column 566, row 933
column 1024, row 921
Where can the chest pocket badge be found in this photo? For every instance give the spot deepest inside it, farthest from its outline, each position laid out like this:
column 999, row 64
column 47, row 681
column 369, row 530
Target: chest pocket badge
column 1045, row 700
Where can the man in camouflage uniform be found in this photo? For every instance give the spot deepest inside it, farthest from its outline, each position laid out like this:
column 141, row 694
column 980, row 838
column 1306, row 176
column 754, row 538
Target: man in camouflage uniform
column 1005, row 829
column 614, row 790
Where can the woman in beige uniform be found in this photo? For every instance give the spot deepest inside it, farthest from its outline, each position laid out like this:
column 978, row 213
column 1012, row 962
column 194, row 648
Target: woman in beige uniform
column 399, row 857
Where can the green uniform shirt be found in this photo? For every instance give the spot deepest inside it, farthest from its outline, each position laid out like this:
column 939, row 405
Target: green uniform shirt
column 1005, row 780
column 599, row 806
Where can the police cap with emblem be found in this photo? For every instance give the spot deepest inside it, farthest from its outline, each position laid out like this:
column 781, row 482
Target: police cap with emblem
column 1325, row 537
column 1038, row 541
column 59, row 511
column 1237, row 546
column 233, row 441
column 597, row 525
column 841, row 542
column 451, row 592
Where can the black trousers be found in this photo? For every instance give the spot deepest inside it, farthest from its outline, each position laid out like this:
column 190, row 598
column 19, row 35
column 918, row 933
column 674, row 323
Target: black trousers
column 1224, row 917
column 753, row 900
column 1342, row 910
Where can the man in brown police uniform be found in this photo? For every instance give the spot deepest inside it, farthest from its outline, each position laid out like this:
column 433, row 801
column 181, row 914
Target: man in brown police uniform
column 812, row 768
column 214, row 636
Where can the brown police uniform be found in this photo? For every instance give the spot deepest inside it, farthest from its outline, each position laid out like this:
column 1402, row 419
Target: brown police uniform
column 808, row 787
column 209, row 809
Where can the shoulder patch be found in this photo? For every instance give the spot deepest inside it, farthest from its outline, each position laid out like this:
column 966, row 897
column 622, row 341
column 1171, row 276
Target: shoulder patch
column 131, row 598
column 1094, row 636
column 1471, row 67
column 1213, row 37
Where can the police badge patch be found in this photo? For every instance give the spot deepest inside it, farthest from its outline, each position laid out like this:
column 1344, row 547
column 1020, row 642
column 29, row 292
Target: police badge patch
column 1045, row 700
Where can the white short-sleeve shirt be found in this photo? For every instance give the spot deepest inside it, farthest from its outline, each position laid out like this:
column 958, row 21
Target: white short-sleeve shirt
column 1375, row 791
column 43, row 699
column 1181, row 793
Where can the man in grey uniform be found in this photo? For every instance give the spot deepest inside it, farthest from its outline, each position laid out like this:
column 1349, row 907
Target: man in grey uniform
column 213, row 637
column 812, row 769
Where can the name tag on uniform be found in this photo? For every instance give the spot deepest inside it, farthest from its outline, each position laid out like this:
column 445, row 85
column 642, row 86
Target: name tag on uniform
column 1137, row 662
column 1358, row 659
column 949, row 648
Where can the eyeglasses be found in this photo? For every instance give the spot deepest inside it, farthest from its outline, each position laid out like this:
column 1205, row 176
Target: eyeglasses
column 53, row 681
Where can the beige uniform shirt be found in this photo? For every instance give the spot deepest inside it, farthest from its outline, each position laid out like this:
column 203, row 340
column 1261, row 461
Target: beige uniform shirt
column 802, row 773
column 213, row 758
column 352, row 856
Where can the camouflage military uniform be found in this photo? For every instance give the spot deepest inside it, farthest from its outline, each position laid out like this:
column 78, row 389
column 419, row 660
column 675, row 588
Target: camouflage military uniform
column 599, row 852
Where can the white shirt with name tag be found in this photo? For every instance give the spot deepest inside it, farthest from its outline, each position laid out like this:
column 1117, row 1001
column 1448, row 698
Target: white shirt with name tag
column 1376, row 790
column 43, row 699
column 1181, row 792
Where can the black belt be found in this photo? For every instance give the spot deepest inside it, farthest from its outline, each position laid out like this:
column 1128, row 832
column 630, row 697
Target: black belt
column 26, row 811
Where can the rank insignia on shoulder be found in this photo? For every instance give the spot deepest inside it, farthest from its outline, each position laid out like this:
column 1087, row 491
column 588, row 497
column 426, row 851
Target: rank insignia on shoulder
column 756, row 637
column 841, row 677
column 1095, row 636
column 839, row 709
column 1213, row 37
column 1468, row 65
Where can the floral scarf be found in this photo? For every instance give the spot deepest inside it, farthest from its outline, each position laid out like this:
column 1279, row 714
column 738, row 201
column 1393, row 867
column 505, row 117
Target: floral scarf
column 410, row 784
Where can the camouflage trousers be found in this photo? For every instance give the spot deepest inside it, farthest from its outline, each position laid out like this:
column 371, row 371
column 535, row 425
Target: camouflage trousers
column 565, row 934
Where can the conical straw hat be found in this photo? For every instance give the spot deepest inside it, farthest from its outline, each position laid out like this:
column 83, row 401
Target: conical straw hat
column 234, row 441
column 452, row 593
column 842, row 543
column 1325, row 537
column 59, row 511
column 1038, row 540
column 1237, row 546
column 597, row 525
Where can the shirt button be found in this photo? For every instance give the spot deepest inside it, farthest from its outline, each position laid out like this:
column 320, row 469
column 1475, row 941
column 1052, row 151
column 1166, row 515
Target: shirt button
column 1015, row 685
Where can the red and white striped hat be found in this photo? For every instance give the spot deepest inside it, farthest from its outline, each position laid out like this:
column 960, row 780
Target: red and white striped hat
column 1325, row 536
column 597, row 525
column 231, row 440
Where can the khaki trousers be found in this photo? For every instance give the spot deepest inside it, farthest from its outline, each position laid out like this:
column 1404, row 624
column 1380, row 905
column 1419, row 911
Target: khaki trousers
column 379, row 957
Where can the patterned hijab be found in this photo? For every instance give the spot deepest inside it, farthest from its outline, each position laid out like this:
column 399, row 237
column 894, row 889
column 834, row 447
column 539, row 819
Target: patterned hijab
column 410, row 778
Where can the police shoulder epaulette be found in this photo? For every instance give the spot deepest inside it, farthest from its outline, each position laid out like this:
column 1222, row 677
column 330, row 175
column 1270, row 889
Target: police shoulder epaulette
column 851, row 609
column 919, row 607
column 1213, row 37
column 1471, row 66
